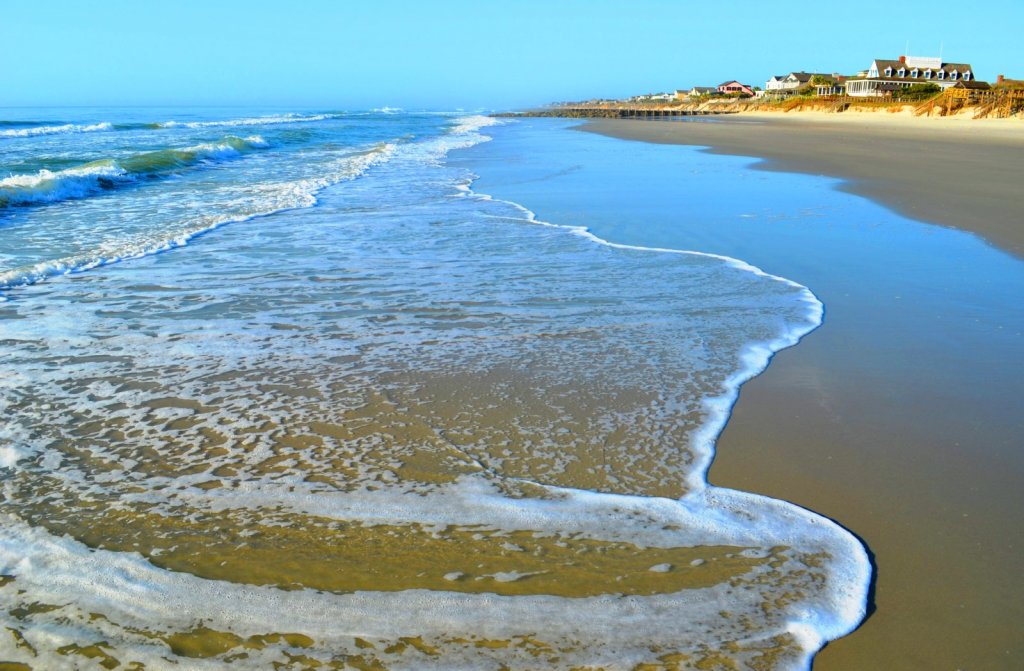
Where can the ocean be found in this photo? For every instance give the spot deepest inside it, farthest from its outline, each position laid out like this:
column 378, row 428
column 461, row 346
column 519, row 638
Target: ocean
column 294, row 388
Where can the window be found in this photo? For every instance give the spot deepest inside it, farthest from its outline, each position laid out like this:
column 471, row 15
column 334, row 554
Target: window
column 942, row 74
column 902, row 72
column 953, row 75
column 888, row 72
column 967, row 76
column 914, row 73
column 927, row 74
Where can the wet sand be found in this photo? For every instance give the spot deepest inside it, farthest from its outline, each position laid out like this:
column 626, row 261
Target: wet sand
column 905, row 434
column 954, row 172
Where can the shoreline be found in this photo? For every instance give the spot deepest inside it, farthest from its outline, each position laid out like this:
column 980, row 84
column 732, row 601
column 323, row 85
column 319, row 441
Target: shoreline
column 890, row 423
column 914, row 166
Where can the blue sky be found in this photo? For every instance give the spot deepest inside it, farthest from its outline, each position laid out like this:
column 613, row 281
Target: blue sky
column 454, row 53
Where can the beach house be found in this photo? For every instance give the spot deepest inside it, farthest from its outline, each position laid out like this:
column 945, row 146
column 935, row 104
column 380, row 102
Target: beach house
column 789, row 84
column 735, row 87
column 701, row 91
column 885, row 77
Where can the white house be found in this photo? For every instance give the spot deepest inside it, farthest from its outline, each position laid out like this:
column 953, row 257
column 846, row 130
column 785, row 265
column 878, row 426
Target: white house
column 885, row 76
column 701, row 91
column 791, row 82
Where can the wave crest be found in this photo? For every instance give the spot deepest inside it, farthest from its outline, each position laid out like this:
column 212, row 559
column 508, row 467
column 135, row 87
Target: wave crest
column 62, row 129
column 252, row 121
column 47, row 186
column 273, row 198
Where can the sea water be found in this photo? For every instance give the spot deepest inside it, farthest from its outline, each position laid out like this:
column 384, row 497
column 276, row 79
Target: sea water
column 282, row 387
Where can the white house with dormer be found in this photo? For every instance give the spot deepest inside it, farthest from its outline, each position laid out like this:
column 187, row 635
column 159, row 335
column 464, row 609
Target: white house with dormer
column 885, row 77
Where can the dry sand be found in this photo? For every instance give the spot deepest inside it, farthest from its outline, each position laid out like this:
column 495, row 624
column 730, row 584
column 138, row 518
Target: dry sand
column 848, row 423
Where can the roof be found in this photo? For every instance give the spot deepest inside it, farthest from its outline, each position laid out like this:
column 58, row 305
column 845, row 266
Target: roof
column 704, row 88
column 804, row 77
column 973, row 84
column 732, row 81
column 896, row 80
column 882, row 64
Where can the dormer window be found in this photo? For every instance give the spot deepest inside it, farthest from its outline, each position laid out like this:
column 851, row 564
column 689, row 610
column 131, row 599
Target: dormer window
column 914, row 73
column 942, row 74
column 902, row 72
column 927, row 74
column 967, row 76
column 953, row 75
column 888, row 72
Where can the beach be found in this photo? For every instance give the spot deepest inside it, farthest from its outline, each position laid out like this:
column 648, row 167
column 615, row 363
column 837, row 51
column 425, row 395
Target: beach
column 954, row 171
column 897, row 417
column 290, row 384
column 427, row 391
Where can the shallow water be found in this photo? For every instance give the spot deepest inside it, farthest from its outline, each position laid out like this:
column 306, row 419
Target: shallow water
column 898, row 417
column 379, row 419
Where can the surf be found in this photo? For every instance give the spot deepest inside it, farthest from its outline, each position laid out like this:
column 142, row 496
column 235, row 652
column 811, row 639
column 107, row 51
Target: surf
column 47, row 186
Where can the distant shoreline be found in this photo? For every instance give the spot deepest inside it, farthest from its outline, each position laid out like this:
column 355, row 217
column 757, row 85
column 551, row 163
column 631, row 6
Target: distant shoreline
column 955, row 172
column 1002, row 103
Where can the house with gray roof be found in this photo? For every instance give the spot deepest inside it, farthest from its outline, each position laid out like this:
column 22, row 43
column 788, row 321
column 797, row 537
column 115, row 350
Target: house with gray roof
column 886, row 77
column 789, row 84
column 696, row 91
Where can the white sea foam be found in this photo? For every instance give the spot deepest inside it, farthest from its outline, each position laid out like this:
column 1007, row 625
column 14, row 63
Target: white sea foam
column 273, row 198
column 755, row 357
column 62, row 129
column 251, row 121
column 47, row 186
column 850, row 595
column 130, row 591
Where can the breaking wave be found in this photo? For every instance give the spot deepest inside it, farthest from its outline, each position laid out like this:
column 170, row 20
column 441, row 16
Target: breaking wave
column 16, row 129
column 252, row 121
column 62, row 129
column 47, row 186
column 270, row 199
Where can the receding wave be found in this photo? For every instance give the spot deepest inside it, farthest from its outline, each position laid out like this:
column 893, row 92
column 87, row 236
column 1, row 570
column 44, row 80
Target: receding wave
column 476, row 457
column 61, row 129
column 47, row 186
column 402, row 464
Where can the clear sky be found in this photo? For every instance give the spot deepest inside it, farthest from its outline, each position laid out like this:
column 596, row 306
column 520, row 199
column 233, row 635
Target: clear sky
column 351, row 54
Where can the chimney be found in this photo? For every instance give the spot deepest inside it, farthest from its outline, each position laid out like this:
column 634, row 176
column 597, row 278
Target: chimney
column 903, row 59
column 999, row 79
